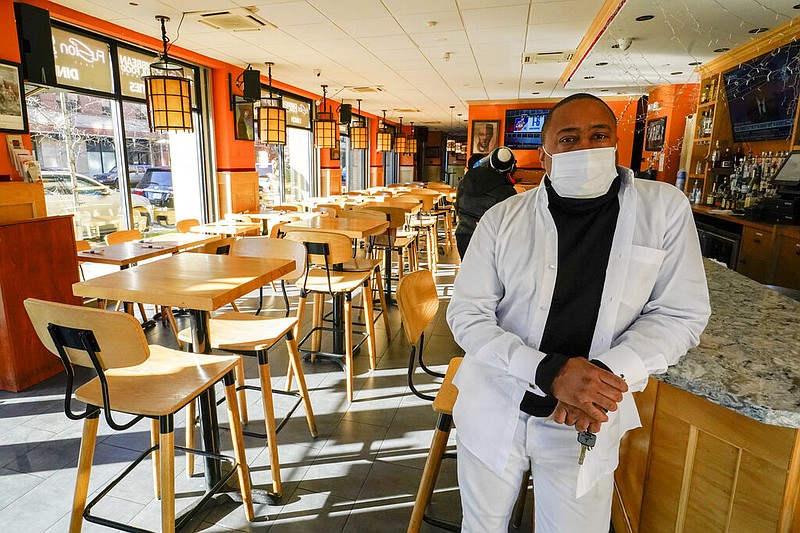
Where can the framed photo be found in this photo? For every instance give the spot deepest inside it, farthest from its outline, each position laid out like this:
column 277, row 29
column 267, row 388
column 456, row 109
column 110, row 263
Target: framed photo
column 431, row 152
column 485, row 136
column 243, row 121
column 13, row 113
column 335, row 152
column 654, row 134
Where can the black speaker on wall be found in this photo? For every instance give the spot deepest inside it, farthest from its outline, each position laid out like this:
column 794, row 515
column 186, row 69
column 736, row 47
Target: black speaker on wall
column 421, row 133
column 251, row 84
column 345, row 113
column 35, row 44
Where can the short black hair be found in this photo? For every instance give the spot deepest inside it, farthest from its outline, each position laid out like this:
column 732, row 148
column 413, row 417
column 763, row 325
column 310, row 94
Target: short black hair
column 474, row 158
column 571, row 98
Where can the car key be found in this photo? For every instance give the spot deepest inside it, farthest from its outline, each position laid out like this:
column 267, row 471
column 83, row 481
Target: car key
column 587, row 441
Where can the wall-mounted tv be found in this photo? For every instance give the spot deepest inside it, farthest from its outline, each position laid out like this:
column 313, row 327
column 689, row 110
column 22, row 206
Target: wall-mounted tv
column 524, row 128
column 762, row 95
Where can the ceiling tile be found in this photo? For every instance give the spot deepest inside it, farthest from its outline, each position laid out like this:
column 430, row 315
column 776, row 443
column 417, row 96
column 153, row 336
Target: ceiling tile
column 390, row 42
column 291, row 14
column 553, row 12
column 377, row 27
column 315, row 32
column 491, row 18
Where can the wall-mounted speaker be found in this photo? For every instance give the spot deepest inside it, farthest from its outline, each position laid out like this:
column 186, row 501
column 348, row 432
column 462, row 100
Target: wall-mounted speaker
column 422, row 133
column 251, row 85
column 35, row 44
column 345, row 113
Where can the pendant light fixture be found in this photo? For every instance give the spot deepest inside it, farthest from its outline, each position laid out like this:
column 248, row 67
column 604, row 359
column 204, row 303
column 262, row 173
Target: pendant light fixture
column 411, row 144
column 271, row 116
column 359, row 139
column 384, row 139
column 325, row 127
column 168, row 92
column 451, row 143
column 400, row 140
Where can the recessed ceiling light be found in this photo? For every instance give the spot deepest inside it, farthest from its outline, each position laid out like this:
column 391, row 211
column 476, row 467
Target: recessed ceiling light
column 601, row 64
column 676, row 73
column 588, row 77
column 720, row 50
column 758, row 30
column 695, row 63
column 644, row 18
column 459, row 114
column 538, row 82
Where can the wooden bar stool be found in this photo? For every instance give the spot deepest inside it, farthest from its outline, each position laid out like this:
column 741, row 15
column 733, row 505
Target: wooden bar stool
column 185, row 226
column 443, row 405
column 140, row 380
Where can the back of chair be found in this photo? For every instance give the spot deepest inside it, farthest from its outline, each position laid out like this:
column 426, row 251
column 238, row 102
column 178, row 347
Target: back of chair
column 286, row 207
column 219, row 247
column 335, row 207
column 418, row 303
column 82, row 246
column 326, row 211
column 363, row 214
column 267, row 247
column 426, row 199
column 397, row 215
column 238, row 217
column 120, row 340
column 184, row 226
column 324, row 249
column 125, row 235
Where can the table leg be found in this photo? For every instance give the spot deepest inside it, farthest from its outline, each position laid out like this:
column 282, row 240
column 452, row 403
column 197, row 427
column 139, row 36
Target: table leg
column 209, row 426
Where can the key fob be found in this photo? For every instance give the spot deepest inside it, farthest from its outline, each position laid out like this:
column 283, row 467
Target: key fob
column 587, row 439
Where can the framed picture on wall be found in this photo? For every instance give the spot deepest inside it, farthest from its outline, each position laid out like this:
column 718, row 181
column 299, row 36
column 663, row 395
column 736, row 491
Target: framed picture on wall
column 431, row 152
column 243, row 121
column 655, row 132
column 485, row 135
column 13, row 114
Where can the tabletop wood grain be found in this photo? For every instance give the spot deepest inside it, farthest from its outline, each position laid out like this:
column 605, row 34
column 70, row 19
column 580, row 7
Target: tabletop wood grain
column 355, row 228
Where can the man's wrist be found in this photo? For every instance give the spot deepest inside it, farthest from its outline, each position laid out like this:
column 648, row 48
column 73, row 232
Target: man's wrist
column 548, row 369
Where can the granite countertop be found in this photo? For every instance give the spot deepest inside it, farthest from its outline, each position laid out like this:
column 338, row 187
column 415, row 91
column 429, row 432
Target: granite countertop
column 749, row 355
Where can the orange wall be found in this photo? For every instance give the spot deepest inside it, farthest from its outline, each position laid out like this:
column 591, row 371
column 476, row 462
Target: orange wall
column 9, row 51
column 674, row 102
column 625, row 109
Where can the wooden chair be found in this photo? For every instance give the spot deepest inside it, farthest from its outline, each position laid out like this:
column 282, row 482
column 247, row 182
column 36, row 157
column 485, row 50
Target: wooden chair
column 443, row 405
column 286, row 207
column 425, row 224
column 337, row 208
column 185, row 226
column 246, row 334
column 136, row 379
column 82, row 246
column 405, row 245
column 326, row 211
column 218, row 247
column 325, row 251
column 418, row 302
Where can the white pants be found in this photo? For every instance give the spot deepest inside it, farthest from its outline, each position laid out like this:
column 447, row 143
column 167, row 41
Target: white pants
column 551, row 452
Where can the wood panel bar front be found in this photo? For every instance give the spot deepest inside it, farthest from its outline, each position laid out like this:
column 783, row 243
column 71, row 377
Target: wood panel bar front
column 45, row 270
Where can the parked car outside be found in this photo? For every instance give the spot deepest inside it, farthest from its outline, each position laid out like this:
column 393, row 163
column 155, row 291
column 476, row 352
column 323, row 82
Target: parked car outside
column 111, row 179
column 98, row 211
column 156, row 186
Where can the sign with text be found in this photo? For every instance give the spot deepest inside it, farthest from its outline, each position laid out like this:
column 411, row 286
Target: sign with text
column 82, row 61
column 132, row 66
column 298, row 112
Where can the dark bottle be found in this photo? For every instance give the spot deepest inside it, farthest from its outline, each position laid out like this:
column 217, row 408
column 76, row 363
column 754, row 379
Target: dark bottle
column 727, row 158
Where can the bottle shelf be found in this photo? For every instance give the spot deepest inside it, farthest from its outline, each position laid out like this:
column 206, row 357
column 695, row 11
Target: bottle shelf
column 705, row 105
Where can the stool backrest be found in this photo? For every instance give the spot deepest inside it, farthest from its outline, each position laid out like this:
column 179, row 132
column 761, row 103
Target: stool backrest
column 219, row 247
column 82, row 246
column 125, row 235
column 185, row 225
column 426, row 199
column 418, row 302
column 396, row 215
column 270, row 248
column 363, row 214
column 327, row 211
column 119, row 337
column 335, row 207
column 324, row 249
column 286, row 207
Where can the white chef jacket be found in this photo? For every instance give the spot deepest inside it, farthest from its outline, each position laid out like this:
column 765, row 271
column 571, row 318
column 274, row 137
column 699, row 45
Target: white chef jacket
column 654, row 307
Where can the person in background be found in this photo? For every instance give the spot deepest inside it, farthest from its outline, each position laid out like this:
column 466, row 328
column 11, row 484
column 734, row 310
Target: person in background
column 568, row 298
column 486, row 183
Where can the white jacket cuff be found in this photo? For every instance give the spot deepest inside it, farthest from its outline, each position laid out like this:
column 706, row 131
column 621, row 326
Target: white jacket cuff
column 625, row 363
column 523, row 365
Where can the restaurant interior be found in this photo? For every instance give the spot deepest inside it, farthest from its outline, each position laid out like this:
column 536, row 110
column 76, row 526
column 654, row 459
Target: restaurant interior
column 253, row 204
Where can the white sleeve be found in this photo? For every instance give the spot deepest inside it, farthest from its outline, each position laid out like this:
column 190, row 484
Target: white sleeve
column 677, row 312
column 472, row 313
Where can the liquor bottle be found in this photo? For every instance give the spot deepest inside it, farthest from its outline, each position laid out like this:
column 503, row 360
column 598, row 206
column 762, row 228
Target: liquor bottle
column 727, row 158
column 715, row 156
column 739, row 157
column 680, row 180
column 710, row 196
column 695, row 197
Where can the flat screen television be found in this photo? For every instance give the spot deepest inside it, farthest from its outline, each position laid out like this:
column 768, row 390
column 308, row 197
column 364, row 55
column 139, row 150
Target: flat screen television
column 762, row 95
column 524, row 128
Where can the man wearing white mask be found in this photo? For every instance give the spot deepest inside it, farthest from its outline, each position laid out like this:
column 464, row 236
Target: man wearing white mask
column 568, row 298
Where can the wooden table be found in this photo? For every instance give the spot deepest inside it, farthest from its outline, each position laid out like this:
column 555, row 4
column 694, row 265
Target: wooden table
column 125, row 254
column 184, row 241
column 224, row 227
column 200, row 283
column 355, row 228
column 269, row 218
column 410, row 207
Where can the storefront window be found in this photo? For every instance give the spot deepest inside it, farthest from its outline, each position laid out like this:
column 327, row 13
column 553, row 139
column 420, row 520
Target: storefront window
column 298, row 174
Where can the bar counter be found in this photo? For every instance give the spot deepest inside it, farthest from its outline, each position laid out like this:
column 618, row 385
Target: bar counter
column 719, row 446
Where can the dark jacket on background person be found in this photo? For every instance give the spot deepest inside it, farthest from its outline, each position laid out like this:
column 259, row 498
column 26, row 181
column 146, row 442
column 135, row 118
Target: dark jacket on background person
column 480, row 189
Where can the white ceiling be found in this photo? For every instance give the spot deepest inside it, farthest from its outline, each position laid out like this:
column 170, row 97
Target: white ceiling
column 429, row 55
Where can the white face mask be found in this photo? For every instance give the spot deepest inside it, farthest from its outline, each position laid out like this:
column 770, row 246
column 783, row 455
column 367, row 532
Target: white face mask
column 583, row 173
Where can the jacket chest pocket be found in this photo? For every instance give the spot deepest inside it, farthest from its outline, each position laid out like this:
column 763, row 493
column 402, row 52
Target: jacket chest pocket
column 645, row 264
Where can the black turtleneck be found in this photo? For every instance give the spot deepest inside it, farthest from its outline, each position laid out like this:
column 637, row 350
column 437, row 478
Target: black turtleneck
column 585, row 233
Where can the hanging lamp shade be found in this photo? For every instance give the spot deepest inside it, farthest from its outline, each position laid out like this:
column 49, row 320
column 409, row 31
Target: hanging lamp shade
column 359, row 136
column 168, row 92
column 325, row 127
column 384, row 138
column 411, row 142
column 271, row 117
column 400, row 140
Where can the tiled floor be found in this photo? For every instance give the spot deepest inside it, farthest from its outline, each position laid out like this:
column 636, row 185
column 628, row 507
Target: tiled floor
column 359, row 475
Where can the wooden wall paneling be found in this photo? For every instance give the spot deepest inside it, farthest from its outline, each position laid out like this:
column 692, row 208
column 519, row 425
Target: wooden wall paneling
column 713, row 473
column 238, row 192
column 629, row 480
column 759, row 493
column 45, row 271
column 21, row 201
